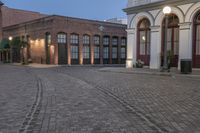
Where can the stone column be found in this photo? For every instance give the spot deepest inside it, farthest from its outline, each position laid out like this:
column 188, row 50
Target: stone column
column 80, row 49
column 155, row 48
column 91, row 49
column 131, row 48
column 185, row 42
column 69, row 48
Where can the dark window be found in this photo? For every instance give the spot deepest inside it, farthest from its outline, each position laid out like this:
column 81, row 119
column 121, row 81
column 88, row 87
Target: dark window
column 86, row 52
column 123, row 43
column 114, row 52
column 106, row 41
column 62, row 38
column 96, row 52
column 106, row 52
column 74, row 39
column 123, row 53
column 115, row 41
column 74, row 52
column 96, row 40
column 86, row 39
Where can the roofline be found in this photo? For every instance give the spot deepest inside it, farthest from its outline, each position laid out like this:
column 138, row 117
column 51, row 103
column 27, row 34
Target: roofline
column 66, row 17
column 156, row 5
column 90, row 20
column 25, row 10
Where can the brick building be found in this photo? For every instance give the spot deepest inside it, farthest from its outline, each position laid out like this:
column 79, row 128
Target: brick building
column 65, row 40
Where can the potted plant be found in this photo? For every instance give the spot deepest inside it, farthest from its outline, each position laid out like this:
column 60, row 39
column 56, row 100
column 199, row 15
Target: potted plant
column 139, row 64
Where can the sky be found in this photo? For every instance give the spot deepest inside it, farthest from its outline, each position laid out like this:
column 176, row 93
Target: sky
column 89, row 9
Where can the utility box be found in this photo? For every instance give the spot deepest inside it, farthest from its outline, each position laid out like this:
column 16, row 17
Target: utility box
column 186, row 66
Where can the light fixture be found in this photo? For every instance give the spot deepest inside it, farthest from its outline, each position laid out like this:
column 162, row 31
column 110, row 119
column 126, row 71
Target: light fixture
column 10, row 38
column 167, row 10
column 143, row 38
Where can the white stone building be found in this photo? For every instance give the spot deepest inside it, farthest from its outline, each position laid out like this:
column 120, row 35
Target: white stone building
column 146, row 28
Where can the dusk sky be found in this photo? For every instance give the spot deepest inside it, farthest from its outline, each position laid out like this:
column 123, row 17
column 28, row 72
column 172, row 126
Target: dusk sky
column 90, row 9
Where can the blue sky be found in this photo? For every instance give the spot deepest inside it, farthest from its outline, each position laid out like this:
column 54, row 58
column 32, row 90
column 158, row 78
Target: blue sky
column 90, row 9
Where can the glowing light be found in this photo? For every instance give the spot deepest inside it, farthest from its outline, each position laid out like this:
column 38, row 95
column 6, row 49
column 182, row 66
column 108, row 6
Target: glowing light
column 143, row 38
column 10, row 38
column 167, row 10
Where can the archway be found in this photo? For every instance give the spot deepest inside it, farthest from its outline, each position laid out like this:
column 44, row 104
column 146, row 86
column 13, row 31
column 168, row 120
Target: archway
column 143, row 41
column 172, row 40
column 196, row 41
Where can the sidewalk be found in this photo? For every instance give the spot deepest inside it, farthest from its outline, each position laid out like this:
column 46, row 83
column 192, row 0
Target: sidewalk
column 173, row 72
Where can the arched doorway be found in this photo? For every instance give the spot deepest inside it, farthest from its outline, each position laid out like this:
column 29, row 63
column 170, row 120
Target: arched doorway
column 196, row 43
column 172, row 40
column 143, row 41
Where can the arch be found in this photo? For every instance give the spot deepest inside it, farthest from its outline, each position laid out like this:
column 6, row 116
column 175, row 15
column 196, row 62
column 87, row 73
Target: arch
column 140, row 16
column 175, row 10
column 191, row 13
column 196, row 44
column 143, row 41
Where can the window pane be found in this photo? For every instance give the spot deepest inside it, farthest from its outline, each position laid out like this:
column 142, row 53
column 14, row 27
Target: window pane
column 105, row 53
column 106, row 41
column 114, row 53
column 96, row 53
column 176, row 41
column 123, row 42
column 96, row 40
column 169, row 39
column 74, row 39
column 123, row 53
column 86, row 52
column 62, row 38
column 74, row 52
column 198, row 41
column 48, row 37
column 114, row 41
column 86, row 39
column 142, row 42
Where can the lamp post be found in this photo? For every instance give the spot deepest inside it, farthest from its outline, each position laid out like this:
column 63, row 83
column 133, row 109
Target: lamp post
column 10, row 39
column 166, row 11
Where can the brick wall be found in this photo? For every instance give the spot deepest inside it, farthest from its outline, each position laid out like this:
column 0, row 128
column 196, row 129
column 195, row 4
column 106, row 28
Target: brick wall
column 15, row 16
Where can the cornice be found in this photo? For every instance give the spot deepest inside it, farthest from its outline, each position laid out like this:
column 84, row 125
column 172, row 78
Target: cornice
column 157, row 5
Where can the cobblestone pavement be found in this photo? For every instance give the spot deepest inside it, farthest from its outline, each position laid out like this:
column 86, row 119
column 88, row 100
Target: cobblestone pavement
column 87, row 100
column 17, row 93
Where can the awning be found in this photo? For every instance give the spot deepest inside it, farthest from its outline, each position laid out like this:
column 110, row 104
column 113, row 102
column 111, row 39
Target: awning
column 4, row 44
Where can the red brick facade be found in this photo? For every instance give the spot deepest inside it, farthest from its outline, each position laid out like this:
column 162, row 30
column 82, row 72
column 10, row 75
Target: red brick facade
column 33, row 27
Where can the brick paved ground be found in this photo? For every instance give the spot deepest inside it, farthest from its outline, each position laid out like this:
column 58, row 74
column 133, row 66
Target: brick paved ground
column 86, row 100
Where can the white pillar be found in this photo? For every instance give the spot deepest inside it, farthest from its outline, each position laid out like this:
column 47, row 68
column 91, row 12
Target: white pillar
column 155, row 51
column 131, row 48
column 185, row 42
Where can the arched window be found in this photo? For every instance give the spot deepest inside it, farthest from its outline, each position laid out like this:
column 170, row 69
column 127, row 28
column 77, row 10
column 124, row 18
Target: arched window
column 86, row 49
column 196, row 43
column 114, row 50
column 143, row 46
column 106, row 42
column 172, row 39
column 123, row 50
column 86, row 39
column 62, row 38
column 74, row 40
column 48, row 38
column 96, row 40
column 96, row 49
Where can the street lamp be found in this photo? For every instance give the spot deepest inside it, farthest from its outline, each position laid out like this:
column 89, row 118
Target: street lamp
column 166, row 10
column 10, row 38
